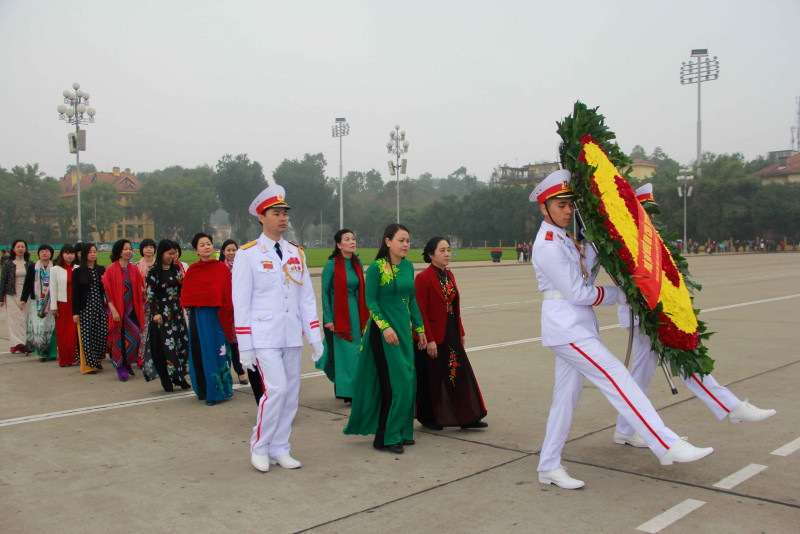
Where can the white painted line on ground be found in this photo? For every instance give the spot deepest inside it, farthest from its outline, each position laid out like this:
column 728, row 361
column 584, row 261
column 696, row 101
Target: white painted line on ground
column 789, row 448
column 663, row 520
column 149, row 400
column 751, row 303
column 731, row 481
column 115, row 405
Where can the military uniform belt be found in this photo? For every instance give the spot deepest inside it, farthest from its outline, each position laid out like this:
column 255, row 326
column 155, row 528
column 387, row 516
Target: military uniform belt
column 548, row 294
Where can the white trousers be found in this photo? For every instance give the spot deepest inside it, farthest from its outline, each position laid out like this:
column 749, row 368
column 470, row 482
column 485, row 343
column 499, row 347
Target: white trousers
column 280, row 374
column 719, row 399
column 591, row 359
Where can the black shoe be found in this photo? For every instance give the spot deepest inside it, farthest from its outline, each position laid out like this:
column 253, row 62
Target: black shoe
column 408, row 442
column 397, row 448
column 130, row 371
column 432, row 427
column 168, row 388
column 184, row 384
column 476, row 424
column 123, row 379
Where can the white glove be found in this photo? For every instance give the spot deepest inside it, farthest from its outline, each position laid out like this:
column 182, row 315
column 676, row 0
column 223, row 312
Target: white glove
column 622, row 300
column 318, row 350
column 248, row 359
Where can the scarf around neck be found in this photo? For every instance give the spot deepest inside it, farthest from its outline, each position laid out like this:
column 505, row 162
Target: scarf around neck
column 341, row 313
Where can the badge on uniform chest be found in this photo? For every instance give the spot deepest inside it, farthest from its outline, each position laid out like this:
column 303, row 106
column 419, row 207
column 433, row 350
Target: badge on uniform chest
column 266, row 264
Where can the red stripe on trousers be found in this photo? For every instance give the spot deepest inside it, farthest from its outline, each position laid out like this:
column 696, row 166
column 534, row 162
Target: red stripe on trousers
column 709, row 393
column 261, row 410
column 621, row 394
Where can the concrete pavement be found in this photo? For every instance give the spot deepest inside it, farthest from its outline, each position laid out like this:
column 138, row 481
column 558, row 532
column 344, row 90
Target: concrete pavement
column 91, row 454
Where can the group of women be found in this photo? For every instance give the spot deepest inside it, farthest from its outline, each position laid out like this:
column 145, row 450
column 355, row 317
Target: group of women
column 160, row 315
column 394, row 343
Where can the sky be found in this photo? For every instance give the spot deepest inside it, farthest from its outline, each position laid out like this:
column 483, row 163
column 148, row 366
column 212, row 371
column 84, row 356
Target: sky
column 473, row 83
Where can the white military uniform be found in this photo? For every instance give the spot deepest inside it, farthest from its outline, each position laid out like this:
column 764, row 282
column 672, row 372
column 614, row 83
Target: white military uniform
column 274, row 305
column 718, row 398
column 569, row 328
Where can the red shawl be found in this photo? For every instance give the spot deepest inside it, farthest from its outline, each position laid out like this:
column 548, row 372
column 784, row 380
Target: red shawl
column 114, row 285
column 208, row 283
column 341, row 312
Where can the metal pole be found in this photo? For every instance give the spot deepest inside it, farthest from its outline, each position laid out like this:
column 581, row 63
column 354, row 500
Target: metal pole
column 341, row 198
column 685, row 242
column 699, row 149
column 78, row 170
column 397, row 169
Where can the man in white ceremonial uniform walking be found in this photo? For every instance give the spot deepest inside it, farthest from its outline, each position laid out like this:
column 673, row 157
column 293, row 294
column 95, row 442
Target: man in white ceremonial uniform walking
column 564, row 271
column 274, row 305
column 719, row 399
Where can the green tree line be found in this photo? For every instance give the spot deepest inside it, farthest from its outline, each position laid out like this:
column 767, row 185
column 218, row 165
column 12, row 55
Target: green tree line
column 727, row 202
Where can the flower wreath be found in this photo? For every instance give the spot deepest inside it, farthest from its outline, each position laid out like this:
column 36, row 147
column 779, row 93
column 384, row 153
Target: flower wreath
column 653, row 274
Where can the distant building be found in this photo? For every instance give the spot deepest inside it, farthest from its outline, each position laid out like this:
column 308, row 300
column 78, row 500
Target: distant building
column 641, row 169
column 785, row 171
column 527, row 174
column 135, row 224
column 221, row 232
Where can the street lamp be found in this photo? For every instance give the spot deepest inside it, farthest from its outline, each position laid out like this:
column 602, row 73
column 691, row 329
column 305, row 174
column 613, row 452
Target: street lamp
column 340, row 129
column 398, row 146
column 74, row 110
column 705, row 70
column 685, row 190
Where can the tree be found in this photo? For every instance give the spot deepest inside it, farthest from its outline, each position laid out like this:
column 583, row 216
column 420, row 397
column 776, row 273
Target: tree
column 237, row 181
column 307, row 190
column 100, row 208
column 180, row 201
column 638, row 152
column 86, row 168
column 28, row 206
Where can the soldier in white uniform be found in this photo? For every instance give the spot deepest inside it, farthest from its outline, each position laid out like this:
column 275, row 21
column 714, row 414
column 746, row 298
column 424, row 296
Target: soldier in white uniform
column 274, row 305
column 564, row 271
column 719, row 399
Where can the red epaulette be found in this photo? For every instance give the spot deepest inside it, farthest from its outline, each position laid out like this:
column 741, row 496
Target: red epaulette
column 548, row 236
column 295, row 244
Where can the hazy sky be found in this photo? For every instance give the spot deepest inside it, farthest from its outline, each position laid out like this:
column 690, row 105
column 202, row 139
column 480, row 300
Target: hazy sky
column 473, row 83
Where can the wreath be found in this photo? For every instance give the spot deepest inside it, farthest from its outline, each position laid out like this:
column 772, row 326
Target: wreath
column 651, row 271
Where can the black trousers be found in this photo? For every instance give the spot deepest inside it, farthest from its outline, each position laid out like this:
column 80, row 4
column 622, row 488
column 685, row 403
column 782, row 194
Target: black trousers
column 376, row 341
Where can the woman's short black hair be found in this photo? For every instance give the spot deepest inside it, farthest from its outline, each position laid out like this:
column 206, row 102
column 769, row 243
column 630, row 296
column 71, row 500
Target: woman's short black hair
column 46, row 247
column 25, row 256
column 116, row 250
column 177, row 246
column 147, row 242
column 337, row 239
column 164, row 246
column 430, row 247
column 197, row 237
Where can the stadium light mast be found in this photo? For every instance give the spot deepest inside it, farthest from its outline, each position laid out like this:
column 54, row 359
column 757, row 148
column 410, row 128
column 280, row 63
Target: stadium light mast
column 397, row 146
column 705, row 70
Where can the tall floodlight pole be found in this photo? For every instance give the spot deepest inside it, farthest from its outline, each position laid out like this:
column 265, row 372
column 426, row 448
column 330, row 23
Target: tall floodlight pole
column 340, row 129
column 397, row 146
column 685, row 190
column 705, row 70
column 74, row 110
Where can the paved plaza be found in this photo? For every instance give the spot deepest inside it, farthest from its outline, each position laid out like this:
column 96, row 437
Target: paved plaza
column 91, row 454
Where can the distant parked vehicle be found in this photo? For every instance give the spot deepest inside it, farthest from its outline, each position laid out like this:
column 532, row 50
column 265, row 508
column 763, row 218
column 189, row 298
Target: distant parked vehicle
column 104, row 248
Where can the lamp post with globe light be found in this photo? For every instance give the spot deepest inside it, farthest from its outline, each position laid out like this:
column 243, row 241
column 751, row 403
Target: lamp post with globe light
column 397, row 146
column 75, row 111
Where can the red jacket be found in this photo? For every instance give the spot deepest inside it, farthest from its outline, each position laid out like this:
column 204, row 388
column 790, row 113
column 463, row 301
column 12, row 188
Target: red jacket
column 430, row 300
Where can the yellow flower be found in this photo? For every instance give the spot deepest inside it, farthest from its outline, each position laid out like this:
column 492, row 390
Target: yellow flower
column 676, row 301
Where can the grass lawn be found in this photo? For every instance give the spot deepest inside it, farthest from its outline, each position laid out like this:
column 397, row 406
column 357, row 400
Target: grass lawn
column 316, row 257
